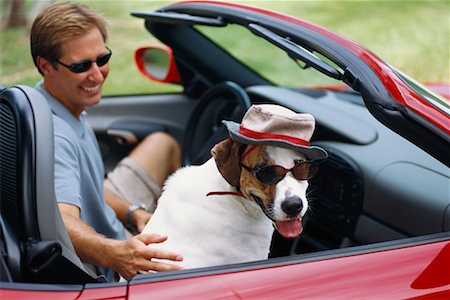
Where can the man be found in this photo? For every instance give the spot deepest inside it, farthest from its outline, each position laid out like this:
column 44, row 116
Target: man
column 69, row 50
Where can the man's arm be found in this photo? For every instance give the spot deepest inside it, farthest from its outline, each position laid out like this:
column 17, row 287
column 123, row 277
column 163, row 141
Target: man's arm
column 125, row 257
column 139, row 217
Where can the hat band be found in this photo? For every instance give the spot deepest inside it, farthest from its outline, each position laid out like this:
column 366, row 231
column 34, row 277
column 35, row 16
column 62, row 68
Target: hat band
column 263, row 135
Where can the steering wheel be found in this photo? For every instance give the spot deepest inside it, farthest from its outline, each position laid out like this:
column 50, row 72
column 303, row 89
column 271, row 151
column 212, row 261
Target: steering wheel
column 225, row 101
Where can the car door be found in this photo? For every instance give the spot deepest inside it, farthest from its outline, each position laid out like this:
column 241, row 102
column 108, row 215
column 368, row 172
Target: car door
column 120, row 122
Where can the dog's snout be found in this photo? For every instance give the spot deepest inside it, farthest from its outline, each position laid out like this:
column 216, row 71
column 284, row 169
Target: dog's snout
column 292, row 206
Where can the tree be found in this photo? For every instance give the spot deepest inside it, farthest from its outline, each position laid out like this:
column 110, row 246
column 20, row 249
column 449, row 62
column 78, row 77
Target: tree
column 17, row 15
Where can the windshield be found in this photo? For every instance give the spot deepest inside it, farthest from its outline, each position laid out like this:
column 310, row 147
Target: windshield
column 281, row 69
column 254, row 51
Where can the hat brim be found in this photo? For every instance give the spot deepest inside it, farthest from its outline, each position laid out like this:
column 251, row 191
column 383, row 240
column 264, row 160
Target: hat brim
column 312, row 152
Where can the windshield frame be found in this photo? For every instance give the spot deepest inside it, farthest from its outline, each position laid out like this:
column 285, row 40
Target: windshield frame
column 434, row 99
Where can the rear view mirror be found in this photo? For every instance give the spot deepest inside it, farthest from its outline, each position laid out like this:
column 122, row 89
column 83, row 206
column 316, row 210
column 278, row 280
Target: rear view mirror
column 157, row 63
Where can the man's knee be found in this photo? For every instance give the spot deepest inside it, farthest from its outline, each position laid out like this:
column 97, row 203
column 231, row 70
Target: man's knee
column 161, row 140
column 160, row 154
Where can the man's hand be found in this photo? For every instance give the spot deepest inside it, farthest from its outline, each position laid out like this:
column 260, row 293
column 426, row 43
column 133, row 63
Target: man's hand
column 125, row 257
column 133, row 255
column 140, row 217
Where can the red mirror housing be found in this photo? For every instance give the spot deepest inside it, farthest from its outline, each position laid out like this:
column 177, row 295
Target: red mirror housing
column 157, row 63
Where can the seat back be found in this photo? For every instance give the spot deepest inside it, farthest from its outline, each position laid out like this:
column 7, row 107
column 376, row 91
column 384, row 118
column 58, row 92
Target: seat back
column 37, row 244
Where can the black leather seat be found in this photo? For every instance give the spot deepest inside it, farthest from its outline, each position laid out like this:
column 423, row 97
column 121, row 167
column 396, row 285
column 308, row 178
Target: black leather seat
column 35, row 244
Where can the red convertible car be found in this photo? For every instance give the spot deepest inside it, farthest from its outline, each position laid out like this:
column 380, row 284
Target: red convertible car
column 379, row 227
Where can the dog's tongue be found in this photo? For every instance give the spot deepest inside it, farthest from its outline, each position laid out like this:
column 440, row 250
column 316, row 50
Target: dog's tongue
column 289, row 229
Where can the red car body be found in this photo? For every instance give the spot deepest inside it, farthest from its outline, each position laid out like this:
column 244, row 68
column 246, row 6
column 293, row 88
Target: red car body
column 418, row 272
column 417, row 268
column 401, row 274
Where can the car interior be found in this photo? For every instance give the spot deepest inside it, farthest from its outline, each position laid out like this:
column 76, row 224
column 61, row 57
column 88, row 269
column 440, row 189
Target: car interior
column 354, row 200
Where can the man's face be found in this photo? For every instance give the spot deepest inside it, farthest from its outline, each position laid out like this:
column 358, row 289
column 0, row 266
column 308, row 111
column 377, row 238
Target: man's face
column 77, row 90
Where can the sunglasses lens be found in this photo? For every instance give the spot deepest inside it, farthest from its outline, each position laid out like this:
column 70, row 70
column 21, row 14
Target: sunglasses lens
column 305, row 171
column 80, row 67
column 271, row 174
column 103, row 59
column 274, row 174
column 86, row 65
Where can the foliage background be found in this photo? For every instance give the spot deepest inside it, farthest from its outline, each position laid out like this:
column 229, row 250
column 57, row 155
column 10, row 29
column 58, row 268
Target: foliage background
column 413, row 36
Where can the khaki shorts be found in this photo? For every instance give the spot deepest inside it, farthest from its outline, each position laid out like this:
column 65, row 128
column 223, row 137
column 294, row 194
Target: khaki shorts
column 130, row 181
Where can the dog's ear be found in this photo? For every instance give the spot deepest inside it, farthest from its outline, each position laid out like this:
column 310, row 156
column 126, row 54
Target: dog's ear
column 228, row 155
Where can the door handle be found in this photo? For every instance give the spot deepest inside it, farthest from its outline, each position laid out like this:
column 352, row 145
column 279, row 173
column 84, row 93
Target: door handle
column 123, row 137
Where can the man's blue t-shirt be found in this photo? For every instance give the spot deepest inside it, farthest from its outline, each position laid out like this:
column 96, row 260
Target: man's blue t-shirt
column 79, row 170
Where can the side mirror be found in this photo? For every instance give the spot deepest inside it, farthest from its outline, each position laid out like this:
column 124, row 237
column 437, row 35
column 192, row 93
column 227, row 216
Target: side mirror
column 157, row 63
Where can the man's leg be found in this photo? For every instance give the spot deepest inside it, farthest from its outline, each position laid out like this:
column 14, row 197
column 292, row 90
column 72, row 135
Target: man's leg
column 139, row 177
column 159, row 154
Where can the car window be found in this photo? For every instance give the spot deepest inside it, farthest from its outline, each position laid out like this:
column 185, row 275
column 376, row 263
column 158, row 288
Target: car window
column 254, row 52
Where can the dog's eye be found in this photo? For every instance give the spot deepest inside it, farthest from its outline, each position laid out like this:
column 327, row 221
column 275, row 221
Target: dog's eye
column 298, row 162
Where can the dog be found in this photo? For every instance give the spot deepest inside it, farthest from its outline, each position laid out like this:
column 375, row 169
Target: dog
column 225, row 211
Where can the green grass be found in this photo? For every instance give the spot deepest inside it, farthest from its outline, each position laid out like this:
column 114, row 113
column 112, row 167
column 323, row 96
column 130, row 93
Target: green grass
column 411, row 35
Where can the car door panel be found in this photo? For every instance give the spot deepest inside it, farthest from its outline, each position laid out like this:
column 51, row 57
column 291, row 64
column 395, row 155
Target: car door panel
column 120, row 122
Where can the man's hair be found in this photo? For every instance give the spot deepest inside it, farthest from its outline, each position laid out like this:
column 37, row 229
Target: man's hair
column 58, row 23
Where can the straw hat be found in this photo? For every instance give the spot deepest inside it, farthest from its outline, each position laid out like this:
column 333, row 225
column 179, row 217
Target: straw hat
column 275, row 125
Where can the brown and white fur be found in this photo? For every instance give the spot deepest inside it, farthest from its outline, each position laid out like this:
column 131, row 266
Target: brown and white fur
column 224, row 229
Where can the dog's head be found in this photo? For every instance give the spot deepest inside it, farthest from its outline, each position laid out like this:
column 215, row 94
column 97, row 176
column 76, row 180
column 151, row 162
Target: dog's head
column 277, row 191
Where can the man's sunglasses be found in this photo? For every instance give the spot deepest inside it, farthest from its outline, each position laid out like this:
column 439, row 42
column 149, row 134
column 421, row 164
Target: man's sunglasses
column 303, row 170
column 85, row 65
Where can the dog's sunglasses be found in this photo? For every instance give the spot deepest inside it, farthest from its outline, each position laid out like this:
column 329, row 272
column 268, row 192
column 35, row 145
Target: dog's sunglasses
column 85, row 65
column 303, row 170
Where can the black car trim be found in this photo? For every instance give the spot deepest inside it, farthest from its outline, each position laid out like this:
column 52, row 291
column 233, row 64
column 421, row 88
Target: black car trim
column 178, row 18
column 295, row 51
column 41, row 287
